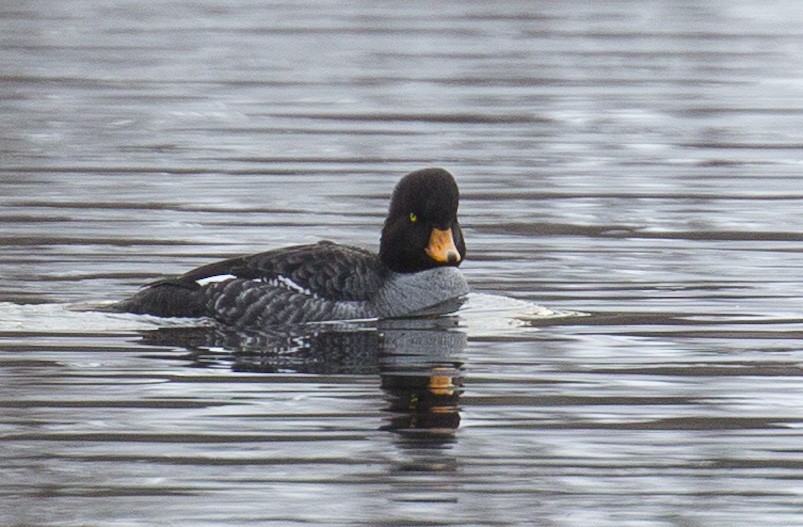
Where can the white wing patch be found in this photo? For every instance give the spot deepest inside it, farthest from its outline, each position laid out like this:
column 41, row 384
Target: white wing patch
column 214, row 279
column 283, row 281
column 277, row 281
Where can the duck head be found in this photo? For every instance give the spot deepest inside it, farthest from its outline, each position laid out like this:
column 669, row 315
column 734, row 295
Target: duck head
column 421, row 231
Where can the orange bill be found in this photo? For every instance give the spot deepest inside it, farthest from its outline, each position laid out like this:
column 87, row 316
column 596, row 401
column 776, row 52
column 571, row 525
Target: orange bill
column 441, row 247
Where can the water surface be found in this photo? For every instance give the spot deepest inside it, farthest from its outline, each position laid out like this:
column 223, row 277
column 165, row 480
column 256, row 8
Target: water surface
column 639, row 162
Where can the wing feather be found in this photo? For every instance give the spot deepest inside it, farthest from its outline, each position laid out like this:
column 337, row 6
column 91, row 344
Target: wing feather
column 325, row 270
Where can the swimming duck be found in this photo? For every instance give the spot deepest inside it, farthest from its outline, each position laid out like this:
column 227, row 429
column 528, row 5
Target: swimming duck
column 420, row 248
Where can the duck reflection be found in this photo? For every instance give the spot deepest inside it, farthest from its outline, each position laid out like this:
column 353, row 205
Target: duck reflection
column 422, row 379
column 426, row 403
column 417, row 361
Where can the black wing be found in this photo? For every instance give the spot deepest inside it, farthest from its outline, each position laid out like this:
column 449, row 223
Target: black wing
column 325, row 270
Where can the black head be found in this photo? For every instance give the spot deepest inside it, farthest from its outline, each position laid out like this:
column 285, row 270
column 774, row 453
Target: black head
column 421, row 231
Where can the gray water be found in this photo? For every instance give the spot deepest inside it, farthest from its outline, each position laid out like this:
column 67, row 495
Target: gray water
column 633, row 166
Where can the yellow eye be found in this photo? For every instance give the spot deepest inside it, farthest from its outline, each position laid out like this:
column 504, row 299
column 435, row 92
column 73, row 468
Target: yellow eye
column 413, row 217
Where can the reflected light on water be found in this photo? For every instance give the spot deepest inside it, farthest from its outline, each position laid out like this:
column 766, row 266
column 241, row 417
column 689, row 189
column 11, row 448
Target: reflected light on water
column 631, row 200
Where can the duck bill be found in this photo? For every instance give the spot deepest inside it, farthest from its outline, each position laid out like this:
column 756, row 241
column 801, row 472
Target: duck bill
column 441, row 247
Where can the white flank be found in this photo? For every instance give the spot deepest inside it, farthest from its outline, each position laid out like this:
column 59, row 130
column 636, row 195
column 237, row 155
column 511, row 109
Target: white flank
column 214, row 279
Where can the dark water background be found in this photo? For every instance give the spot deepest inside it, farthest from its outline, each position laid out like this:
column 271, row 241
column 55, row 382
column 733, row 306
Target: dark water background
column 636, row 161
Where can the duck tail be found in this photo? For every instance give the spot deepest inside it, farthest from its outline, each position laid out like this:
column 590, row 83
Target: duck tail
column 166, row 298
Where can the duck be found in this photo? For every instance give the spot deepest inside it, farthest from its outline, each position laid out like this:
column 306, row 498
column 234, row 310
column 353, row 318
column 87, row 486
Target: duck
column 415, row 271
